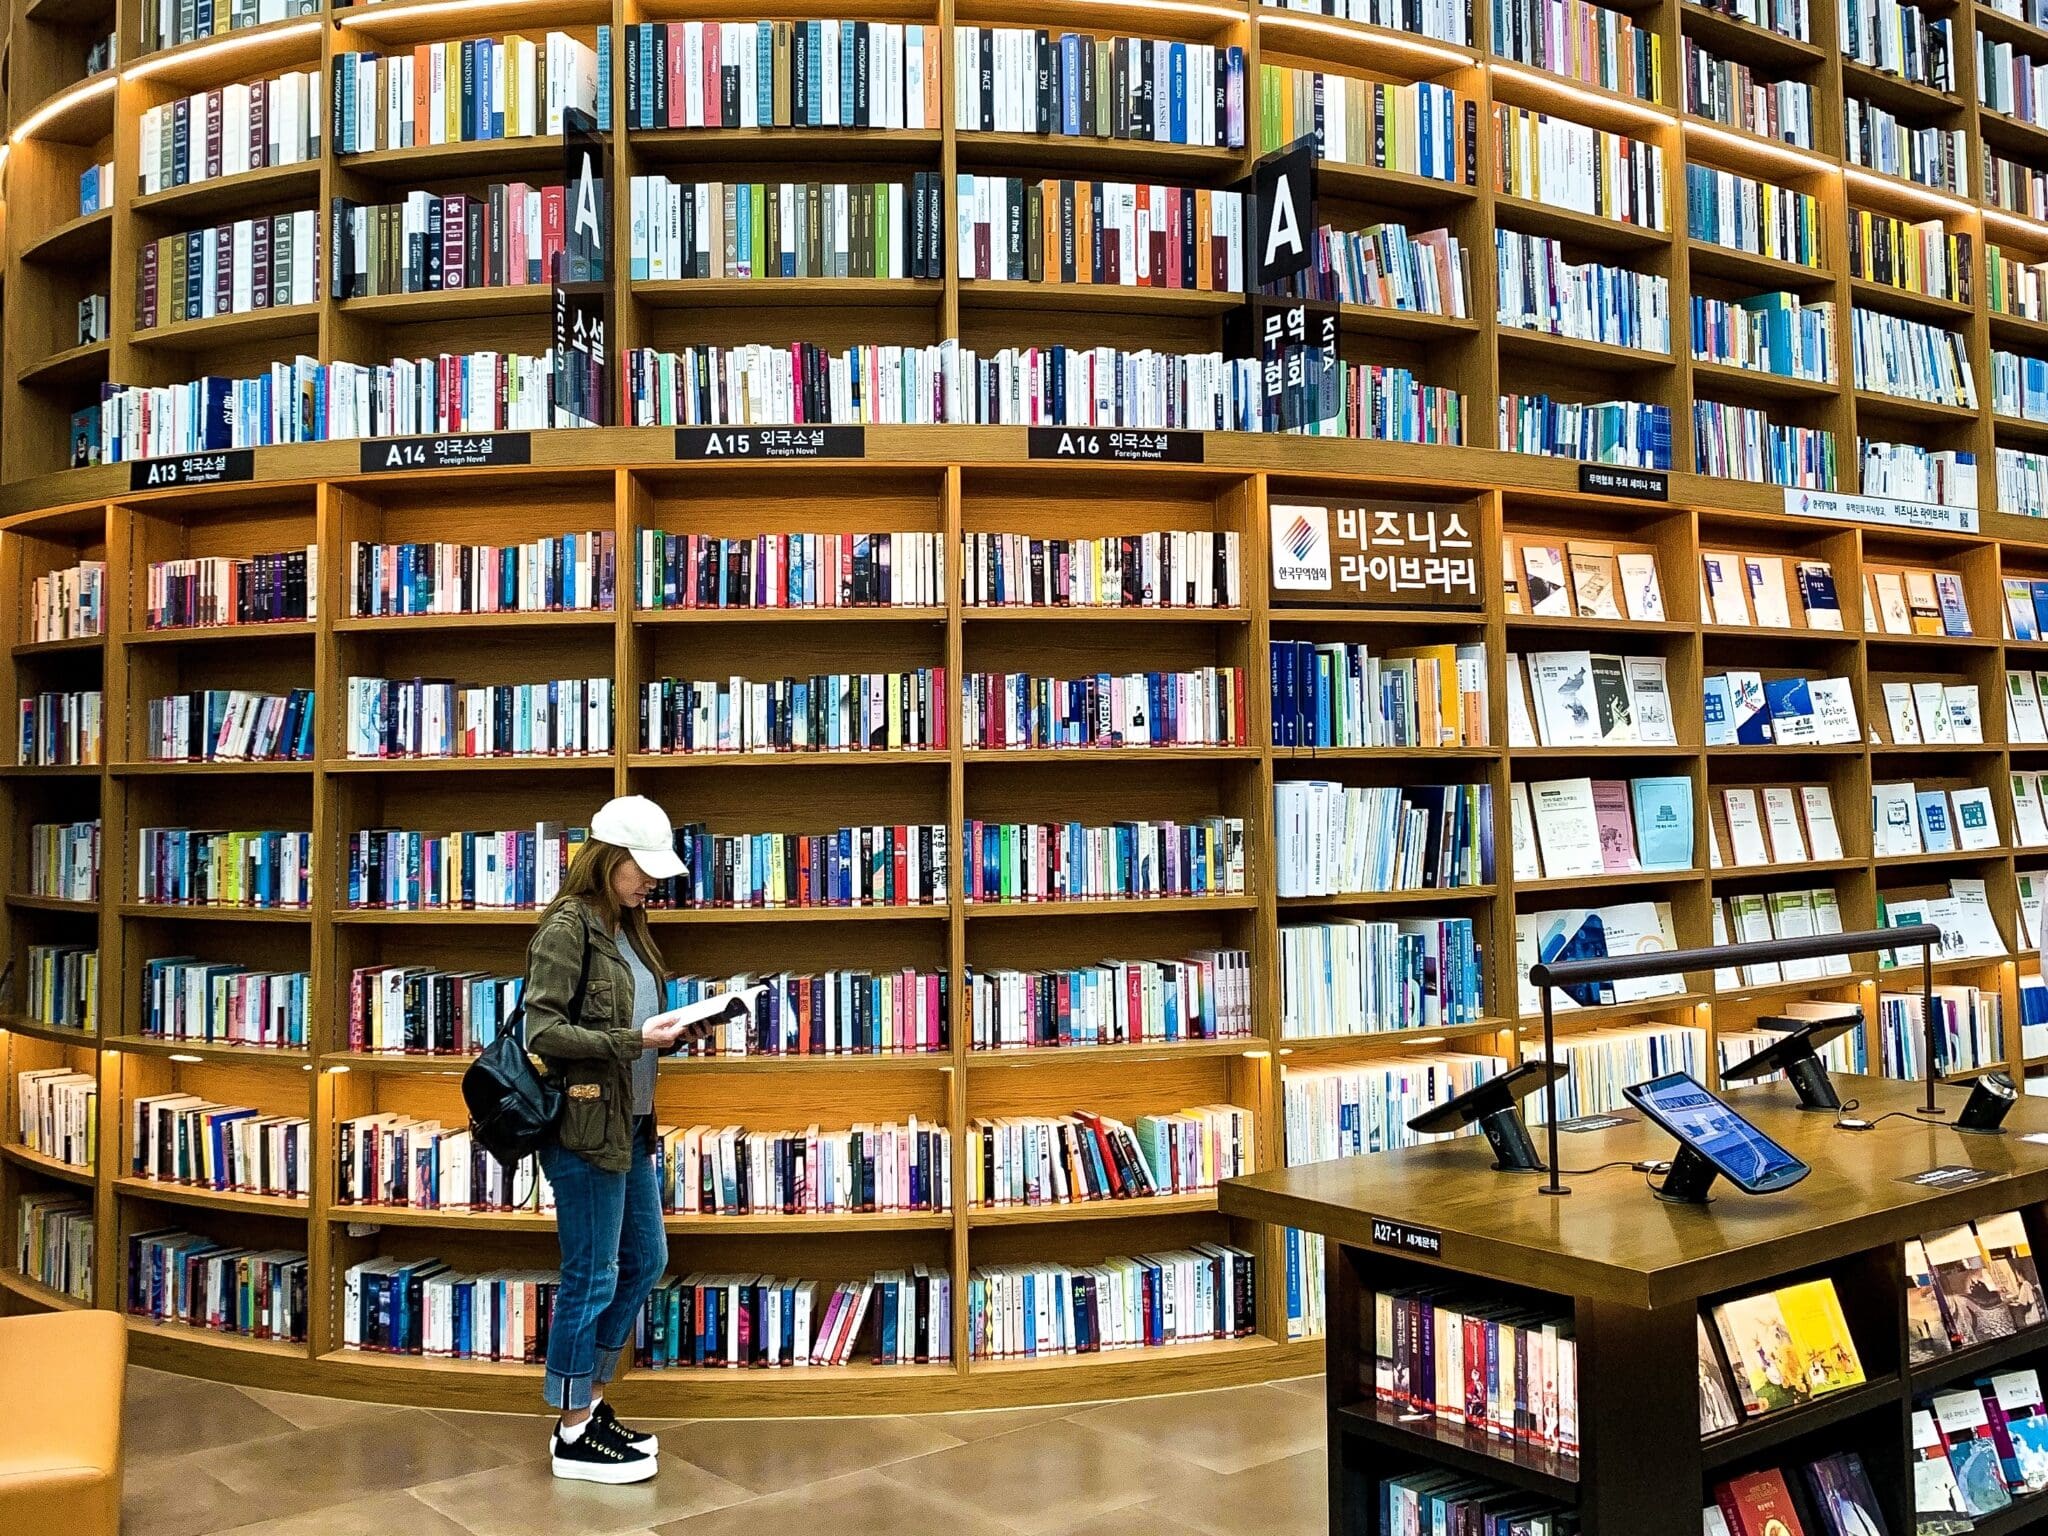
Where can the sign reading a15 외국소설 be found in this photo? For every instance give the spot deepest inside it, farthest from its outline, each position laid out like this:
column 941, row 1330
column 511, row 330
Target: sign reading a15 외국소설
column 1393, row 554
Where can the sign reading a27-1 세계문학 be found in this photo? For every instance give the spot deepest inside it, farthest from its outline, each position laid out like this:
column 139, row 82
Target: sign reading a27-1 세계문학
column 1387, row 554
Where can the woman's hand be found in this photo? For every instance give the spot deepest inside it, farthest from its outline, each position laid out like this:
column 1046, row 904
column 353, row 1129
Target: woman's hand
column 662, row 1031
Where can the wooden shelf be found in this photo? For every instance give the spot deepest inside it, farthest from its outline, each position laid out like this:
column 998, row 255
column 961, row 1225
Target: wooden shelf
column 272, row 188
column 1733, row 38
column 1097, row 907
column 1096, row 298
column 571, row 618
column 148, row 1330
column 74, row 365
column 1145, row 1052
column 532, row 300
column 156, row 1045
column 790, row 292
column 1590, row 230
column 214, row 634
column 1756, row 381
column 213, row 1199
column 301, row 320
column 851, row 615
column 1868, row 293
column 1921, row 412
column 1895, row 93
column 52, row 904
column 1091, row 1210
column 1519, row 1467
column 658, row 148
column 229, row 767
column 474, row 157
column 921, row 758
column 193, row 912
column 1774, row 1429
column 79, row 644
column 1767, row 272
column 74, row 240
column 574, row 762
column 36, row 1293
column 20, row 1024
column 747, row 915
column 257, row 51
column 43, row 1163
column 1391, row 898
column 1571, row 352
column 1043, row 155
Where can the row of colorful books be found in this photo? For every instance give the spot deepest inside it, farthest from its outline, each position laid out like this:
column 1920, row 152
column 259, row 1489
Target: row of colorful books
column 53, row 1243
column 1111, row 233
column 508, row 235
column 825, row 712
column 736, row 1322
column 221, row 1003
column 432, row 717
column 1762, row 825
column 190, row 866
column 1742, row 442
column 784, row 229
column 570, row 571
column 1085, row 85
column 731, row 1171
column 68, row 604
column 1911, row 359
column 400, row 1160
column 205, row 592
column 789, row 570
column 230, row 725
column 64, row 860
column 1562, row 828
column 1068, row 861
column 1538, row 289
column 1828, row 1497
column 1081, row 1157
column 63, row 985
column 1774, row 333
column 183, row 1138
column 1144, row 1301
column 234, row 268
column 822, row 73
column 1338, row 839
column 1589, row 698
column 183, row 1277
column 1587, row 42
column 1495, row 1368
column 230, row 129
column 1356, row 976
column 1880, row 141
column 1203, row 996
column 1340, row 694
column 61, row 730
column 57, row 1114
column 1730, row 92
column 1203, row 707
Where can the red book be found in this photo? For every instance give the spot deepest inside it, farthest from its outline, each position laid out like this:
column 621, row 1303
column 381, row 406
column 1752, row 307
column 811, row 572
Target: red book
column 678, row 91
column 553, row 217
column 899, row 860
column 714, row 98
column 1759, row 1505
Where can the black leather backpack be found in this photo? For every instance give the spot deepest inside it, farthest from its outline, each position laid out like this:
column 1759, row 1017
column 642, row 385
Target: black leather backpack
column 514, row 1102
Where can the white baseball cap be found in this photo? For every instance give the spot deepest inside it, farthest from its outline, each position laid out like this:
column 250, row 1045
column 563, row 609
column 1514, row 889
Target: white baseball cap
column 636, row 824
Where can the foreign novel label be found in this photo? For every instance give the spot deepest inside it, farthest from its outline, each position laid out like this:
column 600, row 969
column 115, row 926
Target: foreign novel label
column 462, row 450
column 1398, row 1234
column 1949, row 1176
column 193, row 469
column 1121, row 445
column 771, row 442
column 1636, row 484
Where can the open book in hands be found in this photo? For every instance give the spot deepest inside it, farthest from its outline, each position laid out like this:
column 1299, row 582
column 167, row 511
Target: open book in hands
column 695, row 1021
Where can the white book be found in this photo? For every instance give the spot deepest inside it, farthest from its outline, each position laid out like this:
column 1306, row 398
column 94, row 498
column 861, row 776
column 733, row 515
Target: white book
column 1566, row 712
column 1649, row 696
column 2029, row 828
column 1976, row 820
column 1898, row 712
column 1823, row 837
column 1753, row 926
column 1930, row 703
column 1641, row 595
column 1834, row 711
column 1764, row 575
column 1745, row 829
column 1792, row 918
column 1782, row 825
column 1827, row 918
column 1567, row 831
column 1528, row 864
column 1975, row 930
column 1641, row 927
column 1724, row 588
column 2024, row 722
column 1894, row 820
column 1726, row 978
column 1965, row 717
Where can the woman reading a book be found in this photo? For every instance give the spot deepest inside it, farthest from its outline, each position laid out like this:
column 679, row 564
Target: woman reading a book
column 593, row 997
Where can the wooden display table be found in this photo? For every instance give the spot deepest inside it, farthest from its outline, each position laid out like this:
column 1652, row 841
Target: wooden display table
column 1632, row 1272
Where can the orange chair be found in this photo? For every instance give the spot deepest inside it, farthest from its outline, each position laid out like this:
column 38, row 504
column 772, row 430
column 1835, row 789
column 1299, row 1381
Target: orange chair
column 60, row 1453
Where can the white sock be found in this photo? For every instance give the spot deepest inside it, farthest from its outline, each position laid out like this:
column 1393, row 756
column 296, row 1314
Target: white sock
column 571, row 1433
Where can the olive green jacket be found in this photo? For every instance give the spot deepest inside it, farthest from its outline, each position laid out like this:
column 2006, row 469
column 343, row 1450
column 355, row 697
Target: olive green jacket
column 593, row 1053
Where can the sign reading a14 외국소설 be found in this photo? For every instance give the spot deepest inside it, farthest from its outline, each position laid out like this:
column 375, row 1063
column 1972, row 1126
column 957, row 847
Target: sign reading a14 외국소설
column 1391, row 554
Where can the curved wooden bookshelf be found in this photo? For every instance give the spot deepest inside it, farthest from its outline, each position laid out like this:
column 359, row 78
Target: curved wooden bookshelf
column 946, row 479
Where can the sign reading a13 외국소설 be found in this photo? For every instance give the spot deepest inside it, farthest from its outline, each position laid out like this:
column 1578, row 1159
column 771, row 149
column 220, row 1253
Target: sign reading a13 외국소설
column 1392, row 554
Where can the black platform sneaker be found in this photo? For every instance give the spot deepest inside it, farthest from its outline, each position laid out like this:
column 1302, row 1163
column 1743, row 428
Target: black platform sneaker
column 596, row 1457
column 601, row 1415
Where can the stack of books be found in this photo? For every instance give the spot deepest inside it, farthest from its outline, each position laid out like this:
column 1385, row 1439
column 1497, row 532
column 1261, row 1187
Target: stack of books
column 68, row 604
column 828, row 1013
column 708, row 1170
column 1082, row 1157
column 710, row 229
column 789, row 570
column 1009, row 862
column 64, row 860
column 220, row 1003
column 1339, row 694
column 896, row 1317
column 60, row 730
column 418, row 1010
column 1033, row 1311
column 57, row 1114
column 431, row 717
column 397, row 869
column 1566, row 828
column 1200, row 708
column 571, row 571
column 182, row 1138
column 269, row 262
column 231, row 129
column 1352, row 976
column 1204, row 996
column 458, row 92
column 1081, row 85
column 63, row 985
column 1776, row 1350
column 182, row 1277
column 1483, row 1364
column 186, row 866
column 781, row 74
column 53, row 1243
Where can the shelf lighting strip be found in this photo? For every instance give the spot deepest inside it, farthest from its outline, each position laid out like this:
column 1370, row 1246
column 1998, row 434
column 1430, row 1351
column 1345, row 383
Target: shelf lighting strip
column 1436, row 52
column 178, row 58
column 1804, row 160
column 85, row 90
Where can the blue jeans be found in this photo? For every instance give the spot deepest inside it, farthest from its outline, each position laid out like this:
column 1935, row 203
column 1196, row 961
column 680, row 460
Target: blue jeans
column 613, row 1252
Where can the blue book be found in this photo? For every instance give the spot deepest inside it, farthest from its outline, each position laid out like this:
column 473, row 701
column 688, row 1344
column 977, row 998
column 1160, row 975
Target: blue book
column 1937, row 830
column 1748, row 709
column 1577, row 934
column 604, row 83
column 1790, row 704
column 764, row 73
column 1663, row 808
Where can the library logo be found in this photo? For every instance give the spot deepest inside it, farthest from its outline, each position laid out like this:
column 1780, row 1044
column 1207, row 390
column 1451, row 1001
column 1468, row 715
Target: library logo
column 1301, row 549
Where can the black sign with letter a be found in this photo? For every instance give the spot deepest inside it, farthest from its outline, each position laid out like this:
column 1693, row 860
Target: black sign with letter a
column 1283, row 187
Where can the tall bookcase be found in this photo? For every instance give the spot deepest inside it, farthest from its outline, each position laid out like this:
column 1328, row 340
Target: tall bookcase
column 949, row 480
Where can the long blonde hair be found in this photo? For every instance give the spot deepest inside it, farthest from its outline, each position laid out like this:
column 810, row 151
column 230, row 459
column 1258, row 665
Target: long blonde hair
column 589, row 881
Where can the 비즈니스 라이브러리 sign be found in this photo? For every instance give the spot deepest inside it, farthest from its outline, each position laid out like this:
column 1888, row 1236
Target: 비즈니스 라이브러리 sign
column 1382, row 554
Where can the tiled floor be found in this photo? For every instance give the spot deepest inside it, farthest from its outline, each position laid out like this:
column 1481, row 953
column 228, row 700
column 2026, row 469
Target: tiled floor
column 207, row 1458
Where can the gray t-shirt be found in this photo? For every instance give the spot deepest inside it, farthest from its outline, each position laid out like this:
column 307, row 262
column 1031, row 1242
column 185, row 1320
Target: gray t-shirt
column 646, row 1004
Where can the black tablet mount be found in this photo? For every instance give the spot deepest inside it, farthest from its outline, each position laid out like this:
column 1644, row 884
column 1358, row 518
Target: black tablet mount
column 1925, row 937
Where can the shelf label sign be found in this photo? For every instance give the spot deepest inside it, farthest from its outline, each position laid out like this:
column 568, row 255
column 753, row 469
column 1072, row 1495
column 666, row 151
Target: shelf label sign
column 1426, row 1241
column 193, row 469
column 1636, row 484
column 1283, row 186
column 1882, row 509
column 771, row 442
column 1116, row 445
column 1950, row 1176
column 464, row 450
column 1389, row 554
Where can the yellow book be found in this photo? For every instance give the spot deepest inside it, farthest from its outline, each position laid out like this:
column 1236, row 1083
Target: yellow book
column 1820, row 1337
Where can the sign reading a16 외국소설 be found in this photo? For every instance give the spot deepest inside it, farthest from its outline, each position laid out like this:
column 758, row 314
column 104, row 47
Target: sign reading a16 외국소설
column 1391, row 554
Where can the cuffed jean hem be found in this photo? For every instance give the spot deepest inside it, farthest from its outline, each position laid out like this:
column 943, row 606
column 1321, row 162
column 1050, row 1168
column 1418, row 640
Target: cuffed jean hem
column 568, row 1392
column 607, row 1363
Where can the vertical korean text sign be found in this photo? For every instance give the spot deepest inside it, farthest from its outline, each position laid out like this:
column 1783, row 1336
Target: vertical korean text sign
column 585, row 300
